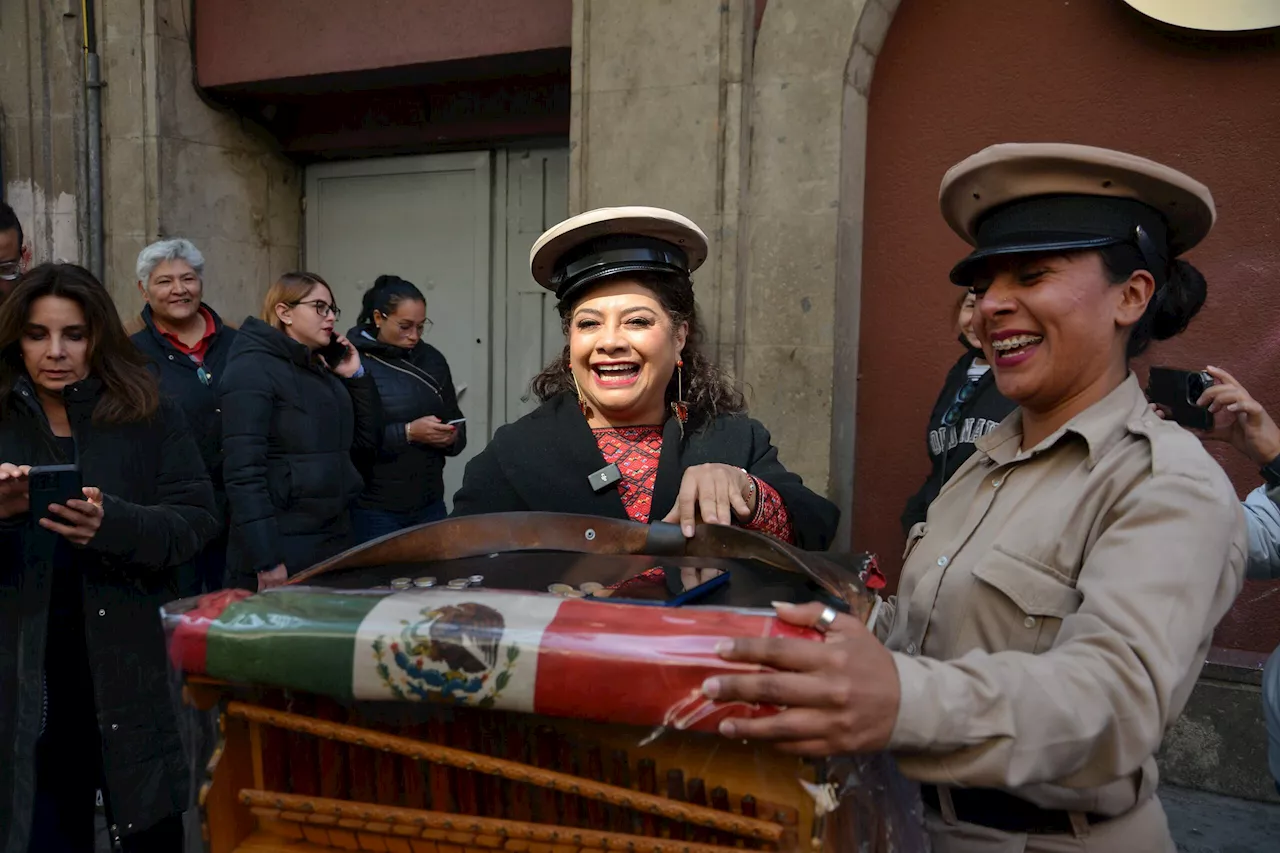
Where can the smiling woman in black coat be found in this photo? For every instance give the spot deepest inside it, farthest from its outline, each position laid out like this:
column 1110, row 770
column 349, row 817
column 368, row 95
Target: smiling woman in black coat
column 81, row 588
column 289, row 424
column 637, row 422
column 404, row 478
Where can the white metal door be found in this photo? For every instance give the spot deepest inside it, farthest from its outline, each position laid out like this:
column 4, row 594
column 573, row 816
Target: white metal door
column 426, row 219
column 536, row 189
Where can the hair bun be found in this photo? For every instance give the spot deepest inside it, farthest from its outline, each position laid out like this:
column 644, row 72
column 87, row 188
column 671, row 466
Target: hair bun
column 1178, row 302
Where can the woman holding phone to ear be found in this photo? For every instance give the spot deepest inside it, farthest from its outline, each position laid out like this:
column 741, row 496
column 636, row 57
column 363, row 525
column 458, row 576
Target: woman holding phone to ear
column 84, row 693
column 422, row 424
column 291, row 416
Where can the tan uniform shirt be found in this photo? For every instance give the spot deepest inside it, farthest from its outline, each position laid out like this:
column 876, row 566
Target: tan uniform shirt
column 1056, row 607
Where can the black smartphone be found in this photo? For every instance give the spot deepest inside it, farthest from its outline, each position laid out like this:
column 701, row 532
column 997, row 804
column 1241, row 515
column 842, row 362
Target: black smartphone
column 53, row 484
column 1177, row 391
column 333, row 352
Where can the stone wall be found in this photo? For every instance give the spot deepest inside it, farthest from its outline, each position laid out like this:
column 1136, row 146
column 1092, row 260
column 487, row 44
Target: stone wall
column 42, row 126
column 173, row 164
column 177, row 165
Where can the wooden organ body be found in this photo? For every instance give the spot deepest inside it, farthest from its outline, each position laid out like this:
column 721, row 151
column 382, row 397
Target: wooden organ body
column 455, row 719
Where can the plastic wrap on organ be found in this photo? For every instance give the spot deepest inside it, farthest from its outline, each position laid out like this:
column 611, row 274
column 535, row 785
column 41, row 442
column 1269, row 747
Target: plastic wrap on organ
column 505, row 715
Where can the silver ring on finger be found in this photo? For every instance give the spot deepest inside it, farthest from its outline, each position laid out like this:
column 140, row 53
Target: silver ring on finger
column 825, row 620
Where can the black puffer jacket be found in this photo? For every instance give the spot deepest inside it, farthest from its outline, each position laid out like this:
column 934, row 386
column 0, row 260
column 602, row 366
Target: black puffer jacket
column 288, row 428
column 412, row 383
column 179, row 381
column 158, row 512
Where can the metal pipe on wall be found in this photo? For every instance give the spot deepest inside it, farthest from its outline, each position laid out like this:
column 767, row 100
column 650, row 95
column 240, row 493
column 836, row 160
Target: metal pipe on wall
column 93, row 142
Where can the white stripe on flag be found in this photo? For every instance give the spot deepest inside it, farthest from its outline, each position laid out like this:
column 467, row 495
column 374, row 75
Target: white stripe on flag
column 471, row 647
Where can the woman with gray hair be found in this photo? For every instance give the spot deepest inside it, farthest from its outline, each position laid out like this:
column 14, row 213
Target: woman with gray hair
column 187, row 344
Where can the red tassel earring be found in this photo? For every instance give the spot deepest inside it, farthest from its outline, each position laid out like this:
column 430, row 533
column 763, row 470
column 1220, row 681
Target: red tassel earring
column 678, row 406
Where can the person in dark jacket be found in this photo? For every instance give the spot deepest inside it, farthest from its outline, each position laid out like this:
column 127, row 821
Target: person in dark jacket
column 422, row 424
column 12, row 256
column 969, row 407
column 84, row 691
column 636, row 421
column 292, row 412
column 188, row 343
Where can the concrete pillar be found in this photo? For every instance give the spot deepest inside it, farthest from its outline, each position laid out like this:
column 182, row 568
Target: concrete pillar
column 657, row 118
column 792, row 218
column 177, row 165
column 682, row 103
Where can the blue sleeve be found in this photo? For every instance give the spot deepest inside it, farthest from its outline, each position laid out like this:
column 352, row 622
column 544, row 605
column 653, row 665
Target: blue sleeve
column 1263, row 517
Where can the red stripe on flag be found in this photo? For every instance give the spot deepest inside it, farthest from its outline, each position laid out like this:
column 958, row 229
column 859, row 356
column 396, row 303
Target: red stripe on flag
column 189, row 641
column 645, row 665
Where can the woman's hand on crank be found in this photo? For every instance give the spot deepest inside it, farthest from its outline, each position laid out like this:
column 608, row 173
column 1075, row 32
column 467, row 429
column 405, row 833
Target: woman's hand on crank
column 718, row 493
column 837, row 696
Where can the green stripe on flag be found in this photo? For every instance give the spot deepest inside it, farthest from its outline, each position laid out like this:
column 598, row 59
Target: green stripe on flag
column 302, row 639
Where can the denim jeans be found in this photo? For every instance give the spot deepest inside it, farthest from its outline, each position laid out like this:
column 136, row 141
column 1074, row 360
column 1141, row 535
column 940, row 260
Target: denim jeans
column 369, row 524
column 1271, row 712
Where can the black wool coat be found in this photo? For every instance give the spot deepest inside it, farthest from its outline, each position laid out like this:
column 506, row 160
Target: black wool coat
column 541, row 463
column 180, row 382
column 158, row 512
column 412, row 383
column 289, row 425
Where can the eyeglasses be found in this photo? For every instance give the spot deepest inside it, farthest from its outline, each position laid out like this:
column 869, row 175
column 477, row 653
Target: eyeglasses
column 964, row 395
column 423, row 327
column 10, row 270
column 323, row 308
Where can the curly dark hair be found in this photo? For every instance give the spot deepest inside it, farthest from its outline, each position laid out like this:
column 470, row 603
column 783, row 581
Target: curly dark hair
column 130, row 392
column 707, row 389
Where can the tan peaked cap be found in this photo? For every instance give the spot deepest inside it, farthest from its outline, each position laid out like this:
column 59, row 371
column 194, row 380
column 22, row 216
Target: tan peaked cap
column 1013, row 171
column 642, row 221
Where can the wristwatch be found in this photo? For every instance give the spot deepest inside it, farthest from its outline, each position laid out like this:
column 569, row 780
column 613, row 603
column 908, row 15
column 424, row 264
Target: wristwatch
column 1271, row 472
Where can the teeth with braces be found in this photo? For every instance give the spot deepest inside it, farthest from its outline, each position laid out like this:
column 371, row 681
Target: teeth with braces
column 1016, row 342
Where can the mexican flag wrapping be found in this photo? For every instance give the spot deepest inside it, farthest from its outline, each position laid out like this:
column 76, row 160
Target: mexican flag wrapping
column 525, row 652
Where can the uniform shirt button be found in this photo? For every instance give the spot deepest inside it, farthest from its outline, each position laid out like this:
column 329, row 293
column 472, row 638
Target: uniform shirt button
column 1030, row 621
column 115, row 727
column 942, row 561
column 102, row 613
column 911, row 649
column 171, row 358
column 995, row 484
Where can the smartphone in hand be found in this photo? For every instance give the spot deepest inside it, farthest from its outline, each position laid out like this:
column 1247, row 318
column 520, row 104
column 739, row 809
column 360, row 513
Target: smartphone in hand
column 333, row 353
column 1177, row 391
column 52, row 484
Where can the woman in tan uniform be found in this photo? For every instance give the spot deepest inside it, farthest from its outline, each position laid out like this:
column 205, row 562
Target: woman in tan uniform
column 1056, row 606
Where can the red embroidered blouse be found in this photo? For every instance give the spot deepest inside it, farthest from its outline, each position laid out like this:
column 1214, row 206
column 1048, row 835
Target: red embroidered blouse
column 635, row 450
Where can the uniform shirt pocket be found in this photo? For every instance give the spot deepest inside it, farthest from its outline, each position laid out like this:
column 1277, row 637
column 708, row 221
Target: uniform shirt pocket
column 1019, row 605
